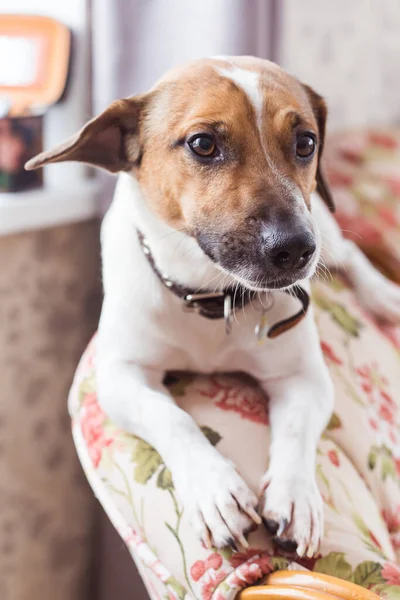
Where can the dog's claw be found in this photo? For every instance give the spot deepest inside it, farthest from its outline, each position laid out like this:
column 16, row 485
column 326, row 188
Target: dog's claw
column 310, row 552
column 231, row 543
column 282, row 527
column 301, row 550
column 292, row 512
column 207, row 540
column 253, row 514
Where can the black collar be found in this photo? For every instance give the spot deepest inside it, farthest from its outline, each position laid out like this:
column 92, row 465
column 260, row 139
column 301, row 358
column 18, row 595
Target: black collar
column 221, row 305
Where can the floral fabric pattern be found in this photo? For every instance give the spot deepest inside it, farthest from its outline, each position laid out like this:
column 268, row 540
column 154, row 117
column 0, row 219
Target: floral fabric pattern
column 364, row 173
column 358, row 460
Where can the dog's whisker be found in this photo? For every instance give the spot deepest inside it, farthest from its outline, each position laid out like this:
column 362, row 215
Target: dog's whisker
column 234, row 302
column 251, row 299
column 261, row 300
column 319, row 274
column 175, row 232
column 324, row 273
column 243, row 311
column 208, row 283
column 326, row 269
column 335, row 262
column 334, row 231
column 187, row 251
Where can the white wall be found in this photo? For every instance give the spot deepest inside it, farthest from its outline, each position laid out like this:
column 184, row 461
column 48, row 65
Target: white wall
column 349, row 51
column 65, row 118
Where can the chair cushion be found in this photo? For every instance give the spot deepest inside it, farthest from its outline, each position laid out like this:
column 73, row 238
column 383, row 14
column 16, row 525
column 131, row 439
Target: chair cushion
column 364, row 174
column 358, row 465
column 358, row 462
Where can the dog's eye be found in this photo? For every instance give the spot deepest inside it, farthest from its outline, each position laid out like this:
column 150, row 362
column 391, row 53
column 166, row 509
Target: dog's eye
column 305, row 145
column 202, row 145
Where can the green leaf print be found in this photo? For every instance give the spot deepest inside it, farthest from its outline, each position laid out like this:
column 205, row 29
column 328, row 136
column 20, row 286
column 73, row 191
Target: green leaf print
column 177, row 587
column 387, row 467
column 321, row 300
column 212, row 436
column 88, row 386
column 334, row 423
column 336, row 565
column 370, row 540
column 107, row 459
column 226, row 553
column 177, row 384
column 386, row 461
column 325, row 480
column 147, row 461
column 361, row 525
column 372, row 456
column 345, row 320
column 279, row 563
column 164, row 479
column 389, row 592
column 338, row 312
column 368, row 573
column 336, row 284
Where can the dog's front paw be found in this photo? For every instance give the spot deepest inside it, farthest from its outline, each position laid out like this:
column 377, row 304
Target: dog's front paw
column 219, row 504
column 381, row 299
column 292, row 511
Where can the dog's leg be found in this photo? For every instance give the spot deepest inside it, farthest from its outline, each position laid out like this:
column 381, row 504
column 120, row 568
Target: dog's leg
column 375, row 292
column 217, row 501
column 290, row 502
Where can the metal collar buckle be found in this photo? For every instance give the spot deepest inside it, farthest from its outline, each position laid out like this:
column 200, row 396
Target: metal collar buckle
column 190, row 303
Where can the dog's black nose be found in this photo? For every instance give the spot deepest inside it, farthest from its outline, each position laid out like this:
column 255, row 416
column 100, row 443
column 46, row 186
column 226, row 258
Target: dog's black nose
column 293, row 251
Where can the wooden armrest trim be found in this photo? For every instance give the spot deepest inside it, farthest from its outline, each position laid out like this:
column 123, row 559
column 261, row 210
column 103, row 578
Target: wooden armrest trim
column 383, row 259
column 283, row 592
column 305, row 585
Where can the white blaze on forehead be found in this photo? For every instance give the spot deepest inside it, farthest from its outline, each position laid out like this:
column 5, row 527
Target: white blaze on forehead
column 249, row 82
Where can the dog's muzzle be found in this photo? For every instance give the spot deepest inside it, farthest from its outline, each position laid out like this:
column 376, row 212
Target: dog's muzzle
column 268, row 256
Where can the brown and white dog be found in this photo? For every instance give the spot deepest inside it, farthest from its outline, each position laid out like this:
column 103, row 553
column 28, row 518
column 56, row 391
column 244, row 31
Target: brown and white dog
column 220, row 162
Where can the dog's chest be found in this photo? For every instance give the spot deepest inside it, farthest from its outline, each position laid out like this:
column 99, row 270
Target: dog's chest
column 186, row 341
column 145, row 322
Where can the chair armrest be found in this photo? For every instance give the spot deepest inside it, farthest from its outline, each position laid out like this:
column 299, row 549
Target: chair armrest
column 304, row 585
column 384, row 260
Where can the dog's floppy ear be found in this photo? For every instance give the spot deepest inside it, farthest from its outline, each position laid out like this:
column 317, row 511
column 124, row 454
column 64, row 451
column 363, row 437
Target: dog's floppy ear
column 321, row 113
column 109, row 141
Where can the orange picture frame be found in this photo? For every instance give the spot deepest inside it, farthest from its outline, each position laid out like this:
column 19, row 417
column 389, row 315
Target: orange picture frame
column 53, row 42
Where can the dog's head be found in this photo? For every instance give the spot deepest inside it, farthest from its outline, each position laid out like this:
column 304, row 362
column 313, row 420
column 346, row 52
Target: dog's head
column 227, row 150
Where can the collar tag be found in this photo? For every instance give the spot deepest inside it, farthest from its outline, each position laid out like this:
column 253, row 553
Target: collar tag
column 261, row 329
column 228, row 313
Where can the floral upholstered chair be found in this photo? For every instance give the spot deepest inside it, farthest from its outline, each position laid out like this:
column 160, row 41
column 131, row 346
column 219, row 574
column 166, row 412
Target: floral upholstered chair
column 358, row 463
